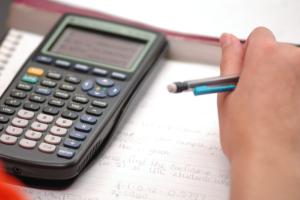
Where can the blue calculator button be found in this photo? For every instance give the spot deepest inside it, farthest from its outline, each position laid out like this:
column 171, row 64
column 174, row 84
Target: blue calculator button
column 72, row 143
column 82, row 68
column 97, row 93
column 43, row 90
column 83, row 127
column 113, row 91
column 77, row 135
column 63, row 64
column 30, row 79
column 65, row 153
column 88, row 119
column 105, row 82
column 44, row 59
column 87, row 85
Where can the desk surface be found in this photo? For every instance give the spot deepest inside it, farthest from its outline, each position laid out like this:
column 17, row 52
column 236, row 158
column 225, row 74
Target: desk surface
column 211, row 17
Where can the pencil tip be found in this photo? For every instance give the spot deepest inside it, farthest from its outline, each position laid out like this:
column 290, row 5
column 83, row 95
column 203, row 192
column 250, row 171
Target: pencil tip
column 172, row 88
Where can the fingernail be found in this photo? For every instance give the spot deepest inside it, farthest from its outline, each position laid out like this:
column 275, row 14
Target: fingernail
column 225, row 39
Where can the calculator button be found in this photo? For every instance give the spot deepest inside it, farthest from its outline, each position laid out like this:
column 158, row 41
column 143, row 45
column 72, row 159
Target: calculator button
column 47, row 148
column 43, row 118
column 87, row 85
column 28, row 144
column 56, row 102
column 18, row 94
column 63, row 64
column 43, row 91
column 113, row 91
column 94, row 111
column 61, row 95
column 6, row 110
column 119, row 76
column 82, row 68
column 37, row 126
column 65, row 123
column 88, row 119
column 69, row 115
column 75, row 107
column 72, row 79
column 100, row 72
column 54, row 75
column 25, row 114
column 48, row 83
column 44, row 59
column 105, row 82
column 80, row 99
column 18, row 122
column 24, row 86
column 30, row 79
column 12, row 102
column 50, row 110
column 35, row 71
column 37, row 98
column 98, row 93
column 11, row 130
column 67, row 87
column 3, row 119
column 31, row 106
column 100, row 104
column 33, row 135
column 83, row 127
column 8, row 139
column 52, row 139
column 65, row 153
column 72, row 143
column 55, row 130
column 77, row 135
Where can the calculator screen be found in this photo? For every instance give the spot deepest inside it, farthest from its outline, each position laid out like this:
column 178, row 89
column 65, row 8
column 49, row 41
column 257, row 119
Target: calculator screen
column 99, row 47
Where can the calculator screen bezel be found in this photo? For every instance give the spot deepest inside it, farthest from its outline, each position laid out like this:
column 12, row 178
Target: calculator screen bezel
column 117, row 30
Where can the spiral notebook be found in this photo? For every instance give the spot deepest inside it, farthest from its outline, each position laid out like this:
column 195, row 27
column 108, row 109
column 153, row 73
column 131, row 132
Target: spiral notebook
column 14, row 49
column 167, row 146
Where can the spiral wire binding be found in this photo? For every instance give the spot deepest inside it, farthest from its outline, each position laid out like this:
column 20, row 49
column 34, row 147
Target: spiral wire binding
column 8, row 47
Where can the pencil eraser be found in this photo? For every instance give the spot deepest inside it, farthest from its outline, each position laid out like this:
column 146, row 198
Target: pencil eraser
column 172, row 88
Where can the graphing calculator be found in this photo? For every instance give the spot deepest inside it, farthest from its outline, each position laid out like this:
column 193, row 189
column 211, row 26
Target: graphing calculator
column 69, row 94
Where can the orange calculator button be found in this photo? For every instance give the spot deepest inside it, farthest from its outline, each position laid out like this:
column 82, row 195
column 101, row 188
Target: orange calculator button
column 35, row 71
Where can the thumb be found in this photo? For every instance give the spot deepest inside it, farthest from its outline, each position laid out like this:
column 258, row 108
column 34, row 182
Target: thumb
column 232, row 59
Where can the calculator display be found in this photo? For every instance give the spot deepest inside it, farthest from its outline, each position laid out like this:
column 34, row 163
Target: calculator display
column 100, row 47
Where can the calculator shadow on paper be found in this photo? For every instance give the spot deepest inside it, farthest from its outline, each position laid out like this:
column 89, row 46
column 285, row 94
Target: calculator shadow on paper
column 130, row 107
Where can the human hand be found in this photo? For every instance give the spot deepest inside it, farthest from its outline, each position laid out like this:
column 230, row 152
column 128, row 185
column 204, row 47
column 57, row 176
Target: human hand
column 260, row 120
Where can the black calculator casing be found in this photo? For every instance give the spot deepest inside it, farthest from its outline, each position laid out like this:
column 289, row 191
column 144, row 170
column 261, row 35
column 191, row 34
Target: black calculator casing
column 34, row 163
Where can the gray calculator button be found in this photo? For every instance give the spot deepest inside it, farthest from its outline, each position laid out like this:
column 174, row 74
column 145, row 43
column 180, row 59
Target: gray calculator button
column 33, row 135
column 52, row 139
column 37, row 126
column 101, row 72
column 25, row 114
column 65, row 123
column 82, row 68
column 8, row 139
column 119, row 76
column 28, row 144
column 18, row 122
column 47, row 148
column 43, row 118
column 55, row 130
column 11, row 130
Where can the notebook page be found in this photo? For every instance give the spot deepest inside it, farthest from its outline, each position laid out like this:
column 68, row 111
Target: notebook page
column 167, row 148
column 14, row 50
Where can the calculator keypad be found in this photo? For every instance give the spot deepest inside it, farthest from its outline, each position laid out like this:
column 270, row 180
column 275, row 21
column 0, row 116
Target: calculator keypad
column 55, row 113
